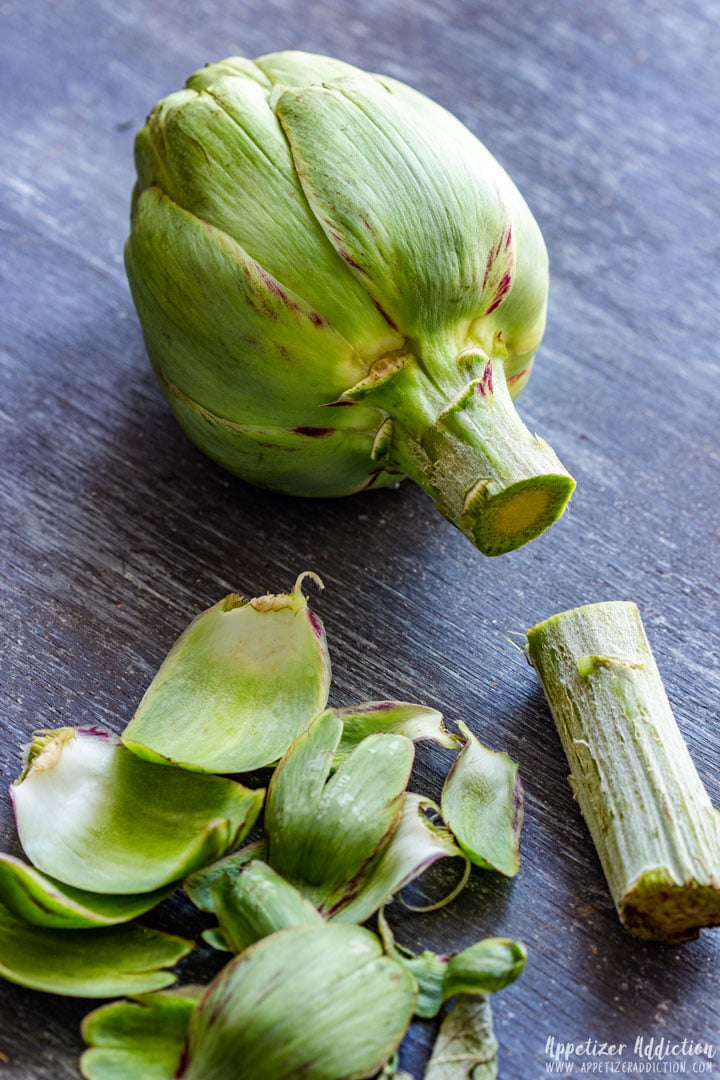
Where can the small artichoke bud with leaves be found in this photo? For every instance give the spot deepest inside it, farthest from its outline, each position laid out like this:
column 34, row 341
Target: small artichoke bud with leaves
column 340, row 286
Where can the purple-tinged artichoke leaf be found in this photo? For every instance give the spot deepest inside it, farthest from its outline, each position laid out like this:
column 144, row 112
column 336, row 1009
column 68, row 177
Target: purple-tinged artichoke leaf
column 94, row 816
column 325, row 831
column 415, row 846
column 415, row 722
column 238, row 686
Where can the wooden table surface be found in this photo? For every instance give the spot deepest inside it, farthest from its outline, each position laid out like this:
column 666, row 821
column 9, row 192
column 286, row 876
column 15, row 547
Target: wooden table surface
column 116, row 531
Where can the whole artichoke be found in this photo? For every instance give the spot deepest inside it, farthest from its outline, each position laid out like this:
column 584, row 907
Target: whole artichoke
column 339, row 286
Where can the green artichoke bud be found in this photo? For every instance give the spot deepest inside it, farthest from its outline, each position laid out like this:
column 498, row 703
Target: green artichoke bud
column 340, row 286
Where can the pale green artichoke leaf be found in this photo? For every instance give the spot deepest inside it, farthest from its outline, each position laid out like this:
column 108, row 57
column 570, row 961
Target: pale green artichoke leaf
column 217, row 150
column 292, row 67
column 317, row 461
column 215, row 938
column 138, row 1039
column 207, row 308
column 415, row 722
column 415, row 846
column 294, row 794
column 198, row 886
column 465, row 1047
column 255, row 902
column 320, row 1002
column 421, row 218
column 43, row 901
column 101, row 963
column 482, row 804
column 242, row 681
column 95, row 816
column 231, row 67
column 325, row 834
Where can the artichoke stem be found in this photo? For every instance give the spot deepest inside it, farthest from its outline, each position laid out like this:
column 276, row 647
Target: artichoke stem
column 466, row 446
column 655, row 830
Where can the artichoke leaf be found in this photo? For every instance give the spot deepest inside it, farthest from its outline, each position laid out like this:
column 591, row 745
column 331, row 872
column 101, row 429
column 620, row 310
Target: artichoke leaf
column 256, row 902
column 437, row 247
column 291, row 353
column 242, row 681
column 322, row 1002
column 94, row 816
column 325, row 832
column 415, row 846
column 482, row 968
column 102, row 962
column 217, row 150
column 142, row 1037
column 482, row 804
column 198, row 885
column 416, row 722
column 43, row 901
column 465, row 1047
column 333, row 450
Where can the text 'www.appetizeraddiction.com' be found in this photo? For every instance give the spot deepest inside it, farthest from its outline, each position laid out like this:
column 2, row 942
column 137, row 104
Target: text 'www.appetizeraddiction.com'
column 644, row 1056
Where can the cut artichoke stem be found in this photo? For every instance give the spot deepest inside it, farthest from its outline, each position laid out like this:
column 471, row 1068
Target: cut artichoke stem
column 655, row 830
column 467, row 447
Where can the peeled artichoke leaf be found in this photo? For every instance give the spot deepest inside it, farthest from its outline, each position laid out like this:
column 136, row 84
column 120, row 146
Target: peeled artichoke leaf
column 198, row 886
column 324, row 834
column 482, row 804
column 415, row 722
column 141, row 1038
column 43, row 901
column 295, row 791
column 415, row 845
column 319, row 1001
column 465, row 1047
column 255, row 902
column 94, row 816
column 215, row 938
column 104, row 962
column 242, row 681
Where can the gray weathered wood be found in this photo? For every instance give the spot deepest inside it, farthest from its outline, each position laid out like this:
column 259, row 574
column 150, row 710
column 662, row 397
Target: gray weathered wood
column 116, row 530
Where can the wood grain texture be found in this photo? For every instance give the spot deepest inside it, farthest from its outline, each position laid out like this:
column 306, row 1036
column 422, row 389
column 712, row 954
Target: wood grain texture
column 116, row 531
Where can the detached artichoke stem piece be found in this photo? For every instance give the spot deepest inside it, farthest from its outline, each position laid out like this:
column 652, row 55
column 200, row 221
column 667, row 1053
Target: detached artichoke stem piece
column 655, row 830
column 306, row 237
